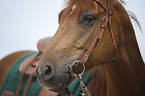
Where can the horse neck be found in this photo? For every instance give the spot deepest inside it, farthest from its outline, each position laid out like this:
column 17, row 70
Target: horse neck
column 97, row 84
column 126, row 75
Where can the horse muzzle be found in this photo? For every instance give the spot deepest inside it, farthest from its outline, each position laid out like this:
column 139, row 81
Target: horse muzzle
column 52, row 79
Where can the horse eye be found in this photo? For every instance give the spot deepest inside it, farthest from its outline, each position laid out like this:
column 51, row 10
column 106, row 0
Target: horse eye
column 89, row 20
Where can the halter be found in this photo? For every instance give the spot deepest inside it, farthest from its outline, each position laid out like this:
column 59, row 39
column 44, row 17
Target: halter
column 106, row 20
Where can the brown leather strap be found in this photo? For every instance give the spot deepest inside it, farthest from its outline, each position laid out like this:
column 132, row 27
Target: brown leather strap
column 22, row 73
column 101, row 4
column 111, row 32
column 106, row 20
column 30, row 69
column 7, row 93
column 28, row 83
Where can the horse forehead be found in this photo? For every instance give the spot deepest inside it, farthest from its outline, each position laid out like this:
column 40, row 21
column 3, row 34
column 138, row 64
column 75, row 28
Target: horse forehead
column 73, row 8
column 92, row 7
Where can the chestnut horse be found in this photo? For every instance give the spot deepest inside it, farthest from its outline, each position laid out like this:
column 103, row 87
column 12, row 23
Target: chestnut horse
column 7, row 62
column 118, row 66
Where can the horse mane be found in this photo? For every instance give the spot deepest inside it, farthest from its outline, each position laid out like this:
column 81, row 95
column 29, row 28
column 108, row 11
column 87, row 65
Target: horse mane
column 131, row 15
column 122, row 2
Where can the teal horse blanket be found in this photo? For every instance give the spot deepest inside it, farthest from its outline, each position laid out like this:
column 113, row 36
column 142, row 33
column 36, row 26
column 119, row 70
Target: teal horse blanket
column 74, row 86
column 11, row 81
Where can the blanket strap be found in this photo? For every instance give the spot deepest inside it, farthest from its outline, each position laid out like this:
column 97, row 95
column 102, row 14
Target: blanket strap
column 22, row 74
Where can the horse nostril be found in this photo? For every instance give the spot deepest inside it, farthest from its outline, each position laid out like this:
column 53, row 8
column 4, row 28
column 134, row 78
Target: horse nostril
column 47, row 72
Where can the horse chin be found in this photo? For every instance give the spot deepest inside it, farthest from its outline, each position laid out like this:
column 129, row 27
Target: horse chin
column 60, row 83
column 60, row 87
column 64, row 82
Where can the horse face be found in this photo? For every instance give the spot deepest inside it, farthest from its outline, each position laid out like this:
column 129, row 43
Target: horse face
column 76, row 32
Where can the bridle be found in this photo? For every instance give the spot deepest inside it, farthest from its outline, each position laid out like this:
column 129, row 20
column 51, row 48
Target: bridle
column 106, row 21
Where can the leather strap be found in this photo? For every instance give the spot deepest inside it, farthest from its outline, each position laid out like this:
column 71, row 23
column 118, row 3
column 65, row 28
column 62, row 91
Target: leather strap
column 7, row 93
column 28, row 83
column 30, row 68
column 106, row 20
column 101, row 4
column 22, row 73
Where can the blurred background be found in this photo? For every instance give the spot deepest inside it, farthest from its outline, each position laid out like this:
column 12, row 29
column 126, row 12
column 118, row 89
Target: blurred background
column 24, row 22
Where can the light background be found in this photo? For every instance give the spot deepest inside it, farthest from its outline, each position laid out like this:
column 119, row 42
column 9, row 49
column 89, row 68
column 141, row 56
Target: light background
column 24, row 22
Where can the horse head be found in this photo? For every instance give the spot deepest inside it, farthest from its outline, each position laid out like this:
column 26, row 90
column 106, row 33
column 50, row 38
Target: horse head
column 80, row 23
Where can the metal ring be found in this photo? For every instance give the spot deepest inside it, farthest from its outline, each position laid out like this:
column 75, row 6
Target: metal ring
column 104, row 18
column 77, row 61
column 83, row 69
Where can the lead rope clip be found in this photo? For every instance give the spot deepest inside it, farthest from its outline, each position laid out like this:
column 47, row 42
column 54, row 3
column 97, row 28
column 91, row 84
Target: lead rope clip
column 84, row 89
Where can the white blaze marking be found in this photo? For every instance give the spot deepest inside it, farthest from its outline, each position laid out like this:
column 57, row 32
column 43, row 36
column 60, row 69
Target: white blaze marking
column 73, row 8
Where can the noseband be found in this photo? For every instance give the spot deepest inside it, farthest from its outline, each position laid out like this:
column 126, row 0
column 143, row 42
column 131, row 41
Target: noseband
column 106, row 20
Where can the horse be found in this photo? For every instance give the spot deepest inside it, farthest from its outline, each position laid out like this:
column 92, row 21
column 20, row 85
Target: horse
column 8, row 62
column 94, row 35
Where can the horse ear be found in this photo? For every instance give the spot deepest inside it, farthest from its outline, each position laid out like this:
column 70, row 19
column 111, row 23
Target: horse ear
column 59, row 16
